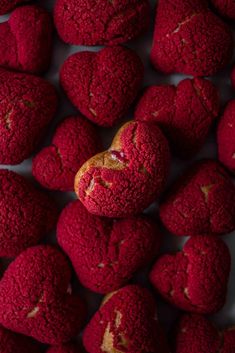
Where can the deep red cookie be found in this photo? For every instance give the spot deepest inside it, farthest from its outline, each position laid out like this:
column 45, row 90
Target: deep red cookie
column 36, row 297
column 124, row 246
column 195, row 279
column 74, row 142
column 100, row 22
column 65, row 348
column 226, row 137
column 129, row 176
column 11, row 342
column 6, row 5
column 190, row 39
column 225, row 7
column 202, row 201
column 104, row 84
column 185, row 113
column 195, row 333
column 126, row 322
column 26, row 214
column 28, row 104
column 26, row 40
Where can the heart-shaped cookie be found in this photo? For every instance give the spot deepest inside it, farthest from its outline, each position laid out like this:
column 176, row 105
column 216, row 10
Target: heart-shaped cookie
column 190, row 39
column 74, row 142
column 6, row 5
column 36, row 297
column 185, row 113
column 129, row 176
column 125, row 322
column 226, row 137
column 202, row 201
column 28, row 104
column 195, row 333
column 26, row 214
column 100, row 22
column 124, row 246
column 195, row 279
column 102, row 85
column 26, row 40
column 65, row 348
column 11, row 342
column 225, row 7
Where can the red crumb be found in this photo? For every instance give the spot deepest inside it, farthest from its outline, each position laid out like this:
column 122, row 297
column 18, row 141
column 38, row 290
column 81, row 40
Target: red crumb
column 103, row 85
column 202, row 201
column 36, row 297
column 28, row 104
column 196, row 334
column 226, row 137
column 190, row 39
column 26, row 40
column 11, row 342
column 26, row 214
column 185, row 113
column 225, row 7
column 129, row 176
column 124, row 246
column 101, row 22
column 74, row 142
column 65, row 348
column 125, row 323
column 196, row 278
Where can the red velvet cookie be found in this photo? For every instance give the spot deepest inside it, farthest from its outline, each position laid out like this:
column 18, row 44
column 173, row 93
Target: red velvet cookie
column 26, row 40
column 185, row 113
column 190, row 39
column 28, row 104
column 124, row 246
column 225, row 7
column 65, row 348
column 195, row 279
column 36, row 298
column 26, row 214
column 129, row 176
column 104, row 84
column 202, row 201
column 194, row 334
column 126, row 322
column 11, row 342
column 100, row 22
column 74, row 142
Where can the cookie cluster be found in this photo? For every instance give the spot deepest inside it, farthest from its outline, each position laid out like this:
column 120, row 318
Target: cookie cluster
column 122, row 199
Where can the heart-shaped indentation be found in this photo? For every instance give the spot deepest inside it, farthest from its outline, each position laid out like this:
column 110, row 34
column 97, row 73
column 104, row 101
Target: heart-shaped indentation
column 225, row 7
column 36, row 298
column 66, row 348
column 225, row 137
column 195, row 333
column 26, row 40
column 129, row 176
column 180, row 44
column 196, row 278
column 28, row 104
column 101, row 22
column 202, row 201
column 102, row 85
column 185, row 113
column 126, row 322
column 11, row 342
column 26, row 214
column 124, row 246
column 74, row 142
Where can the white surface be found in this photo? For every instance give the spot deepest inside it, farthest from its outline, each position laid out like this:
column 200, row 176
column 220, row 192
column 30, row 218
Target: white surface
column 172, row 243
